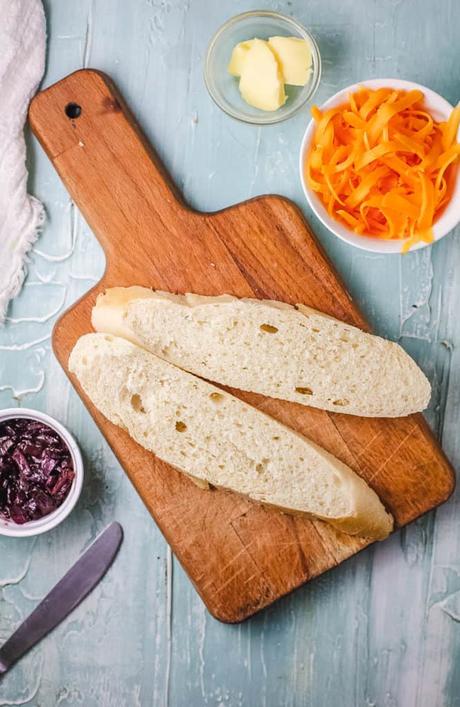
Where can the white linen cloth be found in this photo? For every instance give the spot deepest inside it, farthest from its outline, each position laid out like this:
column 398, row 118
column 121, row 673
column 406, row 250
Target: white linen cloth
column 22, row 63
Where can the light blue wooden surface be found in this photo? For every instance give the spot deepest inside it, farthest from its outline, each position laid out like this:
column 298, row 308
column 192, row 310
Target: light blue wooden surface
column 384, row 628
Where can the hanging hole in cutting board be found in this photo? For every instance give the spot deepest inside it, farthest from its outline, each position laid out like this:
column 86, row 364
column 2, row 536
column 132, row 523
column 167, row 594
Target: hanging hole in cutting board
column 72, row 110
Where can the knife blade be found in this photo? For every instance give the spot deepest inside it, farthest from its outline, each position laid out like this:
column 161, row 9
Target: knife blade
column 79, row 581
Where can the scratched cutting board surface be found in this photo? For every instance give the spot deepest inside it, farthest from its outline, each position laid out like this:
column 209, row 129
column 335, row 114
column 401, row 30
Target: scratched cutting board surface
column 239, row 555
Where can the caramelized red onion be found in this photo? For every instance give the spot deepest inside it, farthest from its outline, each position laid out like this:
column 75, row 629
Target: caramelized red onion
column 36, row 470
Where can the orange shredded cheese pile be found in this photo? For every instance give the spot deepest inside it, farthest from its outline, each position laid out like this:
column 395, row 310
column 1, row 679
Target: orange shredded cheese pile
column 382, row 164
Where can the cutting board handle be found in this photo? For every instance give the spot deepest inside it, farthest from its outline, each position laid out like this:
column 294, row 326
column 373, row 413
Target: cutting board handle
column 99, row 151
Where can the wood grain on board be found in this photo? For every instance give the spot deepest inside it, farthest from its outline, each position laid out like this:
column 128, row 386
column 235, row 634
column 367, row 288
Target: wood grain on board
column 239, row 555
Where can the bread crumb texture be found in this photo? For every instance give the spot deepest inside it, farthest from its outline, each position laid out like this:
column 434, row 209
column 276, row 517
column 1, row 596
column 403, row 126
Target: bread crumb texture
column 215, row 437
column 271, row 348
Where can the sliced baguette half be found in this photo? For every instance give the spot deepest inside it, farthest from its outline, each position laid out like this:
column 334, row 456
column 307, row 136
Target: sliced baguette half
column 292, row 353
column 215, row 437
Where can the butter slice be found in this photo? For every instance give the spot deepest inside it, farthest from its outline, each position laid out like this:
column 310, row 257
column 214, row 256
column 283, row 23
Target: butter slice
column 238, row 57
column 294, row 58
column 261, row 82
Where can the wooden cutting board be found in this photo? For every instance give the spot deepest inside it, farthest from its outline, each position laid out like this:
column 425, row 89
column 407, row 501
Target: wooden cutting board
column 239, row 555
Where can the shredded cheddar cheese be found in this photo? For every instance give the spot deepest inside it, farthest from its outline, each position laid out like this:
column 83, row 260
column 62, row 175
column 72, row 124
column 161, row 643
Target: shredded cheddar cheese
column 382, row 165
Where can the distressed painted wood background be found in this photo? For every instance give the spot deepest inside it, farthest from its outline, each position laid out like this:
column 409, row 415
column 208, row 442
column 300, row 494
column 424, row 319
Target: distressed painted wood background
column 383, row 630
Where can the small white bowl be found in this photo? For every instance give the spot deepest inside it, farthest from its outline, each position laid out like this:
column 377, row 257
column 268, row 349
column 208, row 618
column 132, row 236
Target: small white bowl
column 37, row 527
column 450, row 217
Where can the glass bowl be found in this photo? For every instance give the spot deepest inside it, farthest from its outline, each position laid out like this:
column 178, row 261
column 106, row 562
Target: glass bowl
column 223, row 88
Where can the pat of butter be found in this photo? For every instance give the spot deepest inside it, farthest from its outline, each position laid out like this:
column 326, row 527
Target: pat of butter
column 238, row 57
column 294, row 57
column 261, row 81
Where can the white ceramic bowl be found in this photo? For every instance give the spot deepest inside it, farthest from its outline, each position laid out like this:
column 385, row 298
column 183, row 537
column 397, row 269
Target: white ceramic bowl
column 450, row 217
column 37, row 527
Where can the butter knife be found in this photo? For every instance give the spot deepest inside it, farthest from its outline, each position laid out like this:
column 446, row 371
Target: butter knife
column 79, row 581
